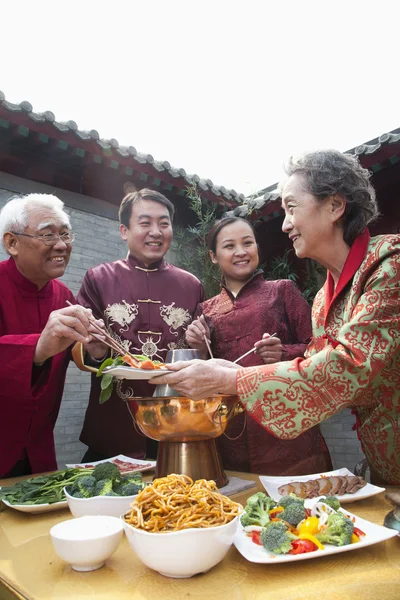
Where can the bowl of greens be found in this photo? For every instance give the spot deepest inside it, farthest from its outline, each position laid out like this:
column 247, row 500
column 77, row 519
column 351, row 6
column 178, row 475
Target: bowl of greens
column 103, row 491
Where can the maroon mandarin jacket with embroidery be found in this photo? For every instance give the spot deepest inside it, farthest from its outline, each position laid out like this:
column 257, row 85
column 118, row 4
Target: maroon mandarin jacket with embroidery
column 147, row 309
column 237, row 323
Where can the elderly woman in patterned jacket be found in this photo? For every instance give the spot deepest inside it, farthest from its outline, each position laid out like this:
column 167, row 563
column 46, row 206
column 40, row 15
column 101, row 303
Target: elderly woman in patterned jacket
column 146, row 305
column 353, row 359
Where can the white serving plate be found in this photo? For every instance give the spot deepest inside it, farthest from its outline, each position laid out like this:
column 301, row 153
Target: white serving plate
column 34, row 509
column 271, row 484
column 137, row 464
column 132, row 373
column 257, row 554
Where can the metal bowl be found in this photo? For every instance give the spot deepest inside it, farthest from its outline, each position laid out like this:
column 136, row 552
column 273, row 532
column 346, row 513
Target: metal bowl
column 181, row 419
column 180, row 354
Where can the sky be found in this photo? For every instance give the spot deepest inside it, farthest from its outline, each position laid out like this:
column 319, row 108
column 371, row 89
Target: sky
column 225, row 89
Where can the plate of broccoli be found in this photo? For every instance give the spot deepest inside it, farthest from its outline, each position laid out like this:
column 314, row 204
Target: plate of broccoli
column 297, row 529
column 106, row 480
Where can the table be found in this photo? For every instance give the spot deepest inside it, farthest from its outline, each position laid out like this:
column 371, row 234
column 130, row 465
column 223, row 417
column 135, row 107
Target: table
column 30, row 569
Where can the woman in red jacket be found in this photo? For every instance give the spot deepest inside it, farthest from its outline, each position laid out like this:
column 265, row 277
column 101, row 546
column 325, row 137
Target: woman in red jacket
column 272, row 316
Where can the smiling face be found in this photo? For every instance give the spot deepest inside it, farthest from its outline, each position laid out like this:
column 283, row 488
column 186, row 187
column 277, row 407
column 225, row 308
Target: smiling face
column 149, row 235
column 36, row 261
column 236, row 252
column 311, row 224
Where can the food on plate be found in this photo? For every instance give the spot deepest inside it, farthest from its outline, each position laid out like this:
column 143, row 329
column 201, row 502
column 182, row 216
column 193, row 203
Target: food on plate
column 145, row 362
column 123, row 465
column 44, row 489
column 334, row 485
column 175, row 502
column 107, row 380
column 287, row 527
column 106, row 480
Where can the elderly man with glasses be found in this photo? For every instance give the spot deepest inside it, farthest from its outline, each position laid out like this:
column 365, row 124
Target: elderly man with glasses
column 36, row 330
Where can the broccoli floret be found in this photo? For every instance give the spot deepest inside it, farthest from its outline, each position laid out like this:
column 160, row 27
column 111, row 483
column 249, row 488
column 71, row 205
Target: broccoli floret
column 110, row 494
column 293, row 513
column 331, row 501
column 130, row 489
column 85, row 486
column 77, row 495
column 290, row 499
column 103, row 487
column 106, row 470
column 257, row 509
column 338, row 530
column 276, row 538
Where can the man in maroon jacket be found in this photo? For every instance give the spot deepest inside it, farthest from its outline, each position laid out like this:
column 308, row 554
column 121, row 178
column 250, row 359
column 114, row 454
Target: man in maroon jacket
column 36, row 329
column 146, row 305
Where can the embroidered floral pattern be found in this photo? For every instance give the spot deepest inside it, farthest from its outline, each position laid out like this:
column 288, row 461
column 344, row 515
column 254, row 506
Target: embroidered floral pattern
column 123, row 314
column 361, row 371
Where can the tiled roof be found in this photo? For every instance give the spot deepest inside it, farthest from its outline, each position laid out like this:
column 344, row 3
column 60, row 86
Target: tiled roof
column 126, row 156
column 375, row 155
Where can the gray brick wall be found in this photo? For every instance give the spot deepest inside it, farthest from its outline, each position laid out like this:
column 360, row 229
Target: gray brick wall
column 98, row 241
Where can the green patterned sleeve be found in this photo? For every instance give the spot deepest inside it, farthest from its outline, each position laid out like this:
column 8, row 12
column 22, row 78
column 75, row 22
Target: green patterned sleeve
column 354, row 366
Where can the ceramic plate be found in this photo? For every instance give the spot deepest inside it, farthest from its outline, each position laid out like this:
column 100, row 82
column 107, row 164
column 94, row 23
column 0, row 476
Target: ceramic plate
column 258, row 554
column 132, row 373
column 34, row 509
column 272, row 484
column 124, row 463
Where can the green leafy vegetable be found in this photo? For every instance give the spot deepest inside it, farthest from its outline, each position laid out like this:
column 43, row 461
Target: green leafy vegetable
column 107, row 381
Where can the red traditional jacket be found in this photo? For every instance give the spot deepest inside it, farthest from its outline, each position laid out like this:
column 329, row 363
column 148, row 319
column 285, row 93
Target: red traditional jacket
column 353, row 360
column 236, row 324
column 29, row 397
column 147, row 310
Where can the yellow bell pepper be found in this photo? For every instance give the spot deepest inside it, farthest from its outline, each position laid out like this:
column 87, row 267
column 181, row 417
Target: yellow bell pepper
column 312, row 538
column 310, row 525
column 354, row 538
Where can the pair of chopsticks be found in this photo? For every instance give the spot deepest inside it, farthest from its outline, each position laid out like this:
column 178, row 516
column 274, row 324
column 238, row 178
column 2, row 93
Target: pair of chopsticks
column 109, row 340
column 250, row 351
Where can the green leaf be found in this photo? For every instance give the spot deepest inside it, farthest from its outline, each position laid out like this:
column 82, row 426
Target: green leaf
column 107, row 363
column 107, row 380
column 105, row 394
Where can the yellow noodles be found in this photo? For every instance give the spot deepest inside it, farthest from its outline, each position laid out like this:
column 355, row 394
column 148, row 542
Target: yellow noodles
column 174, row 503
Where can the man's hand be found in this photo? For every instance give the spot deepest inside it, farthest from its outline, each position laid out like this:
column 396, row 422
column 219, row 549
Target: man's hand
column 200, row 378
column 269, row 348
column 195, row 334
column 64, row 326
column 95, row 348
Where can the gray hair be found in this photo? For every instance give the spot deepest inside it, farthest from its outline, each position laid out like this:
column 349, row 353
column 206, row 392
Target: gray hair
column 329, row 172
column 14, row 216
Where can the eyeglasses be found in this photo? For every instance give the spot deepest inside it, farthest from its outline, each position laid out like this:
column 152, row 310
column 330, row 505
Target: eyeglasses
column 51, row 239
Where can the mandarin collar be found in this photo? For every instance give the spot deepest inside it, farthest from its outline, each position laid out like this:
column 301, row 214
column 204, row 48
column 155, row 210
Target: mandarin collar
column 259, row 274
column 24, row 283
column 355, row 257
column 133, row 262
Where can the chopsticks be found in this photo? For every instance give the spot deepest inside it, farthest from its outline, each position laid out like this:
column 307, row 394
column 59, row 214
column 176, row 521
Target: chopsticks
column 109, row 340
column 208, row 346
column 250, row 351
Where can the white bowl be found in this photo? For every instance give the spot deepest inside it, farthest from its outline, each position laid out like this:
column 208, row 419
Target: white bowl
column 86, row 543
column 182, row 553
column 111, row 506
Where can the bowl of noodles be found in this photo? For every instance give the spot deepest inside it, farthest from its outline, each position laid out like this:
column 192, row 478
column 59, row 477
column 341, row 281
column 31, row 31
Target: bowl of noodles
column 179, row 527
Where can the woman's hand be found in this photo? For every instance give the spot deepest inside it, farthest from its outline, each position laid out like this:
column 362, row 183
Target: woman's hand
column 199, row 379
column 269, row 348
column 195, row 334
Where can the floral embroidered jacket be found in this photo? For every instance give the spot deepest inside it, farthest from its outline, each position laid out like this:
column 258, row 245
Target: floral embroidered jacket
column 353, row 360
column 236, row 324
column 147, row 310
